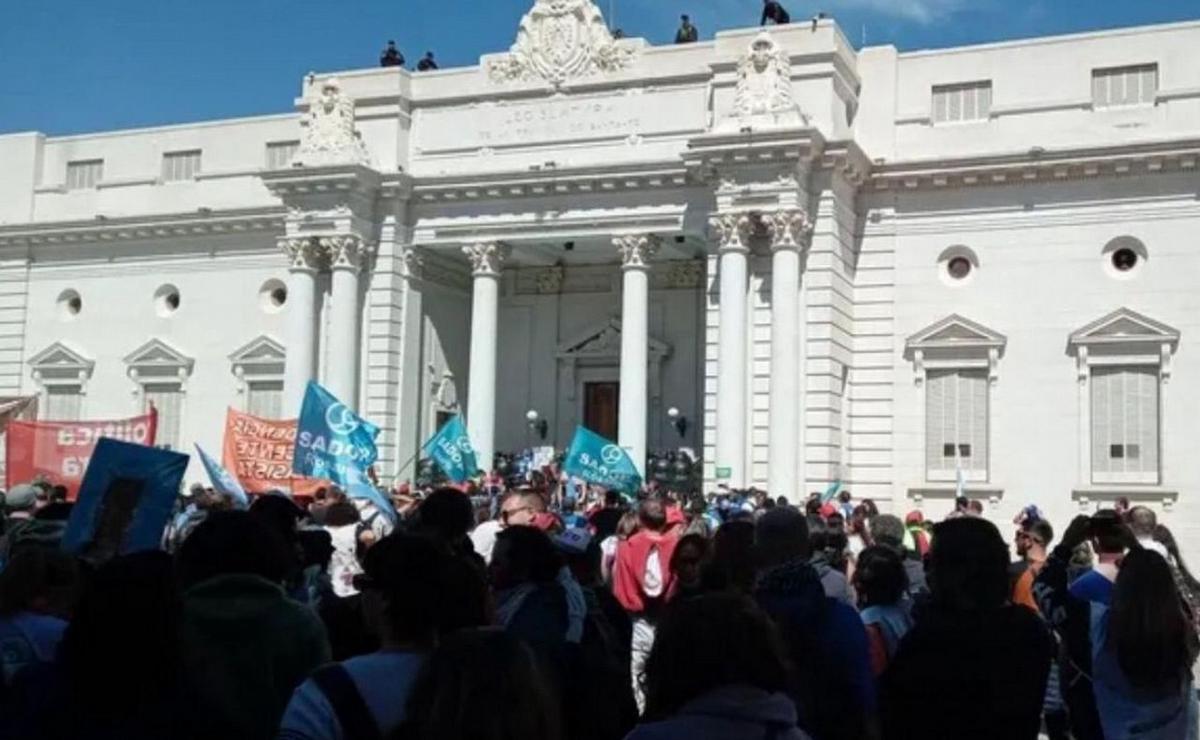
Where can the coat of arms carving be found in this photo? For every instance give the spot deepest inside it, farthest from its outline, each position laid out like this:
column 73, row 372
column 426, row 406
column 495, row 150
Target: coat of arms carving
column 559, row 40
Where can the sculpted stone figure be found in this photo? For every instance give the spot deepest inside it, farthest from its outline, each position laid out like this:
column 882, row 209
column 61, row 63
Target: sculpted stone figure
column 559, row 40
column 328, row 136
column 764, row 90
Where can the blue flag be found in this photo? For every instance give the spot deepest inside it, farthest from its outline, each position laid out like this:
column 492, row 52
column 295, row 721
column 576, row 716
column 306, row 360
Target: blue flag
column 224, row 483
column 831, row 491
column 600, row 461
column 363, row 489
column 332, row 442
column 451, row 449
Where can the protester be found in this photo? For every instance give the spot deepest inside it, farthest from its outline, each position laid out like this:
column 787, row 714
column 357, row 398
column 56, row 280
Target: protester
column 38, row 590
column 889, row 531
column 731, row 564
column 687, row 563
column 1108, row 536
column 1143, row 644
column 642, row 581
column 880, row 583
column 1032, row 540
column 733, row 687
column 977, row 661
column 21, row 528
column 1143, row 521
column 827, row 543
column 246, row 645
column 426, row 63
column 342, row 523
column 687, row 33
column 391, row 56
column 1189, row 587
column 773, row 11
column 627, row 526
column 604, row 522
column 482, row 685
column 530, row 602
column 825, row 637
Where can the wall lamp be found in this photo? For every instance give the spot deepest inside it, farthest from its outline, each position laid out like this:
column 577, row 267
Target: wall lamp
column 536, row 423
column 678, row 420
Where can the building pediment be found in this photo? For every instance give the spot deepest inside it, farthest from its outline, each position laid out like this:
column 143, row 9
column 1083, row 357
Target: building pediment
column 263, row 355
column 60, row 360
column 955, row 332
column 1124, row 326
column 155, row 358
column 604, row 342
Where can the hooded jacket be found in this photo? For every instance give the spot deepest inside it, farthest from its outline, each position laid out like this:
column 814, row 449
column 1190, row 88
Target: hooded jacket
column 630, row 569
column 247, row 646
column 728, row 713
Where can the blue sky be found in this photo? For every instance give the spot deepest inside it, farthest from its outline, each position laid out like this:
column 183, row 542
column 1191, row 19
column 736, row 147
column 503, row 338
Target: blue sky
column 88, row 65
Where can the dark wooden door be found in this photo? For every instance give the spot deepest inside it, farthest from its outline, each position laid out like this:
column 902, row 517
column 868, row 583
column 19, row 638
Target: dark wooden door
column 600, row 403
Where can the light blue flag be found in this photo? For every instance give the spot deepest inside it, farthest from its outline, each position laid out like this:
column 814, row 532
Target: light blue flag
column 363, row 488
column 332, row 442
column 224, row 483
column 451, row 449
column 831, row 491
column 600, row 461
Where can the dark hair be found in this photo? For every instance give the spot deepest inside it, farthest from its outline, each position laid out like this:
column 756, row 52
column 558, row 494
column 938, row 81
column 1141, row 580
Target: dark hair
column 887, row 529
column 128, row 619
column 1142, row 521
column 975, row 505
column 1148, row 629
column 445, row 514
column 689, row 540
column 58, row 493
column 342, row 514
column 705, row 643
column 627, row 525
column 731, row 567
column 233, row 542
column 1108, row 532
column 968, row 566
column 278, row 512
column 612, row 498
column 1041, row 530
column 1166, row 538
column 484, row 685
column 524, row 555
column 781, row 535
column 879, row 577
column 652, row 514
column 37, row 573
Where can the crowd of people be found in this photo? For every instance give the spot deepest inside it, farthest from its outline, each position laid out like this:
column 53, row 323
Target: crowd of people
column 553, row 611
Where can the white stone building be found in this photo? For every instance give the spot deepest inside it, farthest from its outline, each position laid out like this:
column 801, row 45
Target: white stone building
column 868, row 265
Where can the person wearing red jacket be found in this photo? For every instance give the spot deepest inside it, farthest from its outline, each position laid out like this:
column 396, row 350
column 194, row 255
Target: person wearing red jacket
column 642, row 580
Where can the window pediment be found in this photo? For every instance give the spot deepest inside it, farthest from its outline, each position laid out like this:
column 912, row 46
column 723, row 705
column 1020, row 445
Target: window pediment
column 1124, row 337
column 604, row 342
column 61, row 362
column 157, row 359
column 955, row 342
column 263, row 355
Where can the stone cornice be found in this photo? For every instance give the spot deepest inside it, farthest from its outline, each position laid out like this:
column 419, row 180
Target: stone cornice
column 1038, row 164
column 546, row 181
column 327, row 179
column 127, row 228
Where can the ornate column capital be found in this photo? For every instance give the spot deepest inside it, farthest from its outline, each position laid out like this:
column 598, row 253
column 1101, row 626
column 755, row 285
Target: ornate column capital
column 636, row 249
column 303, row 253
column 346, row 252
column 487, row 258
column 788, row 228
column 411, row 262
column 732, row 231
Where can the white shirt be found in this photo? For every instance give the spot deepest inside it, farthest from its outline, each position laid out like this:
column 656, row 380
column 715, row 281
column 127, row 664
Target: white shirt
column 483, row 538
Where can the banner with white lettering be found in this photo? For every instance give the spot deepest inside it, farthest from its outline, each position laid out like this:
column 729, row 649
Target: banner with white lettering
column 59, row 451
column 332, row 441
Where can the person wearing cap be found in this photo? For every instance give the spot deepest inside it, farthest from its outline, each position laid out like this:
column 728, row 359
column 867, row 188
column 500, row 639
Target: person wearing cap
column 391, row 56
column 21, row 527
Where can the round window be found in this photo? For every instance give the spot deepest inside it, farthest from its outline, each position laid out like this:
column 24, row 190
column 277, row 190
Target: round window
column 272, row 296
column 1124, row 259
column 166, row 300
column 69, row 305
column 959, row 267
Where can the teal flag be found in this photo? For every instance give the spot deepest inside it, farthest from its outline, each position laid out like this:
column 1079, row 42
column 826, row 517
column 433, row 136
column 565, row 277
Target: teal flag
column 451, row 449
column 831, row 491
column 602, row 462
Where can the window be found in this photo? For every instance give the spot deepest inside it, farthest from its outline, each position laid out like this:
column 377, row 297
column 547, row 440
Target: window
column 178, row 166
column 168, row 399
column 1125, row 425
column 84, row 174
column 280, row 153
column 1117, row 86
column 971, row 101
column 264, row 398
column 956, row 421
column 63, row 402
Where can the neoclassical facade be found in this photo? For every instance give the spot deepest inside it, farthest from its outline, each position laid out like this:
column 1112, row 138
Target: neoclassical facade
column 802, row 261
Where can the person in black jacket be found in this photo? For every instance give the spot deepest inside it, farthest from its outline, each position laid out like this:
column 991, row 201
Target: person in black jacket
column 773, row 11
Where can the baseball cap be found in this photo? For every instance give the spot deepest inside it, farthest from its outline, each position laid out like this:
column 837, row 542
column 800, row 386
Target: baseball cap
column 21, row 496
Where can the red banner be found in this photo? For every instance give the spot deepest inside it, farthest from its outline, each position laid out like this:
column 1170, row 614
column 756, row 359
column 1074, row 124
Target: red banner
column 259, row 453
column 59, row 451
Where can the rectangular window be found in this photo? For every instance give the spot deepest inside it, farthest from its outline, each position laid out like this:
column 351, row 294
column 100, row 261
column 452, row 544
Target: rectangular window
column 168, row 399
column 970, row 101
column 280, row 153
column 956, row 424
column 178, row 166
column 84, row 174
column 1125, row 425
column 264, row 398
column 1118, row 86
column 63, row 402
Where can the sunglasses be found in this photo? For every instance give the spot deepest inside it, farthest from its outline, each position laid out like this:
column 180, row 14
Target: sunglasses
column 506, row 513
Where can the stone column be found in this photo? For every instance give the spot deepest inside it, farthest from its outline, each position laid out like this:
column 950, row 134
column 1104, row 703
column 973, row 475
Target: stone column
column 346, row 256
column 733, row 232
column 487, row 259
column 788, row 230
column 301, row 323
column 635, row 251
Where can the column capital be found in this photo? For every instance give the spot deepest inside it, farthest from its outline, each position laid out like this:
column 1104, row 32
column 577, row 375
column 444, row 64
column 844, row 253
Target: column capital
column 788, row 228
column 732, row 231
column 636, row 249
column 303, row 253
column 487, row 258
column 345, row 251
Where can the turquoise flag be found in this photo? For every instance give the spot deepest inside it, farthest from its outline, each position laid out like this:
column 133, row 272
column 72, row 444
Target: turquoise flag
column 224, row 483
column 601, row 461
column 831, row 491
column 332, row 442
column 451, row 449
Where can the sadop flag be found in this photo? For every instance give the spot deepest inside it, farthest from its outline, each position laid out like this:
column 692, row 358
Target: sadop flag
column 451, row 449
column 224, row 483
column 600, row 461
column 332, row 442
